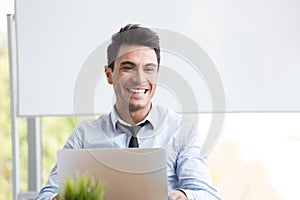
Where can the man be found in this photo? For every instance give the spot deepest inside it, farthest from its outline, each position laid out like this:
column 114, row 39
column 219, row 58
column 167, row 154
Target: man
column 133, row 65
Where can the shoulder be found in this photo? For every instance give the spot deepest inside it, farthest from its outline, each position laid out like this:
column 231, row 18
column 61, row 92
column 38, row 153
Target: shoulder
column 162, row 112
column 179, row 120
column 87, row 130
column 100, row 121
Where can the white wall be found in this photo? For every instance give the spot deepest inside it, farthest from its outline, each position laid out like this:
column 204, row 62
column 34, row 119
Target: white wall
column 254, row 46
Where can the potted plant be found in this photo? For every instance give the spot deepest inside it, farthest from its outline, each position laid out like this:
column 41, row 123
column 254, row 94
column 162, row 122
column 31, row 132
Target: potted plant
column 84, row 187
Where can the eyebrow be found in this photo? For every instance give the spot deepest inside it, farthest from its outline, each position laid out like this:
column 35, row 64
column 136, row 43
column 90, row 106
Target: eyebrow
column 127, row 63
column 131, row 63
column 151, row 65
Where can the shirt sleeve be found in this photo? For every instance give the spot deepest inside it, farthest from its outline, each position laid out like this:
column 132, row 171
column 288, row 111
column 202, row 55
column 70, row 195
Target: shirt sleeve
column 51, row 188
column 192, row 171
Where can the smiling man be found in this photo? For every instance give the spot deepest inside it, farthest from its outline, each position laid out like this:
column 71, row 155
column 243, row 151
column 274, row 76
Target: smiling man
column 133, row 65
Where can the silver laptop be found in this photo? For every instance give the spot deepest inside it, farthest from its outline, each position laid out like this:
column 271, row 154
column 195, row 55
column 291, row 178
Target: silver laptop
column 129, row 174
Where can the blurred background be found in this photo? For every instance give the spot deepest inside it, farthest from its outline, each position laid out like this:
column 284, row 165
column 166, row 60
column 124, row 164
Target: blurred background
column 256, row 157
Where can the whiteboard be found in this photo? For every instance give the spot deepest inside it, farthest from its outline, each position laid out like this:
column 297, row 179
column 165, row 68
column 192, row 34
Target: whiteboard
column 246, row 59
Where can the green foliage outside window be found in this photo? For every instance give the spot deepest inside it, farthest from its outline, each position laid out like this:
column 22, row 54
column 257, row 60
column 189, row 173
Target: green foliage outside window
column 55, row 131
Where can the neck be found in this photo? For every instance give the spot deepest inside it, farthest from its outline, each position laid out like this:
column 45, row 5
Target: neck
column 133, row 116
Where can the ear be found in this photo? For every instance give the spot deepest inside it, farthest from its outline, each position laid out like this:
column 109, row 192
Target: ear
column 108, row 73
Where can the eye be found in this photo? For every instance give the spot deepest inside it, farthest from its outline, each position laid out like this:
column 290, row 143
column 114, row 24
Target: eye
column 127, row 67
column 149, row 69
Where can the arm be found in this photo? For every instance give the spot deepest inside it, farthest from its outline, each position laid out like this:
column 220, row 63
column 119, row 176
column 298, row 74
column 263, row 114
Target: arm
column 51, row 188
column 192, row 171
column 176, row 195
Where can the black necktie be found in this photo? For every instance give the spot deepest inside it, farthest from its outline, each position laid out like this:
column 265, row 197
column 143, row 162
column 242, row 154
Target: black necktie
column 133, row 143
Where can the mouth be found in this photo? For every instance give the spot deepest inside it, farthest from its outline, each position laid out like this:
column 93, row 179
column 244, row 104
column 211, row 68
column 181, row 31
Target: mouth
column 138, row 90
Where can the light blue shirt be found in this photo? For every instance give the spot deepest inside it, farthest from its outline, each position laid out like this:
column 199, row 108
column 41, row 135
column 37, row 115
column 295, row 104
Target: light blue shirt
column 186, row 170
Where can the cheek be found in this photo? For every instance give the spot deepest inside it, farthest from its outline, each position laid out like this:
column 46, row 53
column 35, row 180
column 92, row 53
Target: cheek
column 120, row 80
column 116, row 78
column 153, row 79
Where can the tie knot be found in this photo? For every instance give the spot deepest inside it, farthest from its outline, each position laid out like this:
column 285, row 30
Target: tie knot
column 133, row 143
column 132, row 129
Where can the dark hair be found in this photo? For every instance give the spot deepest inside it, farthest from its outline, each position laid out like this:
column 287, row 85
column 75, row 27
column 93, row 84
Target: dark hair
column 132, row 34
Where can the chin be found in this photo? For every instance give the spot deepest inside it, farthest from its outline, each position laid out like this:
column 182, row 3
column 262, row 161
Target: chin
column 136, row 107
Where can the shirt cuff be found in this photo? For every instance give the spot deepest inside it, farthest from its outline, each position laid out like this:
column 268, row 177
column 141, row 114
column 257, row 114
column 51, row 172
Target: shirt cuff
column 54, row 195
column 181, row 190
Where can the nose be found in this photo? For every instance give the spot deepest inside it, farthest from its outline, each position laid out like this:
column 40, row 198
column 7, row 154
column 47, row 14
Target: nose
column 139, row 75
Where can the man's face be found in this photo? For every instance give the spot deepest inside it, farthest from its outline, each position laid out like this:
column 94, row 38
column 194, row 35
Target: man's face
column 134, row 77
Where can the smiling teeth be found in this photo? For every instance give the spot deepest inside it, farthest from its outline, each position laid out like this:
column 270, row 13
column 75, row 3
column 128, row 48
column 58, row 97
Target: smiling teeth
column 137, row 91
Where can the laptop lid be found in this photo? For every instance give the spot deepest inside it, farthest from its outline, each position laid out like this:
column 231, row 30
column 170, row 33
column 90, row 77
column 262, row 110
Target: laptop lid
column 131, row 174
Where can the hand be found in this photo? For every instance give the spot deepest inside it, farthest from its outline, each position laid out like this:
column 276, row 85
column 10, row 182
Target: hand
column 176, row 195
column 55, row 198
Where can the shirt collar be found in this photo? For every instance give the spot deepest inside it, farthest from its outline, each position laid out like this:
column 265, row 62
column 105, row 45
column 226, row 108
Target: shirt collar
column 150, row 117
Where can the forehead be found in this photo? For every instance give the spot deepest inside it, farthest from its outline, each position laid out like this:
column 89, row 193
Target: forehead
column 136, row 52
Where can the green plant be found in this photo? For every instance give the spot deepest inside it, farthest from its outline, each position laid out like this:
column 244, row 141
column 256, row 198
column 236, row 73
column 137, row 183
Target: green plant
column 84, row 187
